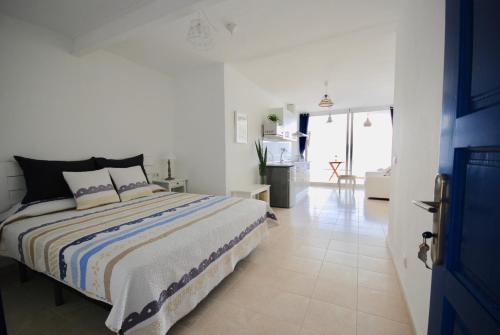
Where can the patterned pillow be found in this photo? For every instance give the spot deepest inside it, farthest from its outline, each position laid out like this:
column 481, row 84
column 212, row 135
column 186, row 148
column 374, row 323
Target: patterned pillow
column 130, row 182
column 91, row 188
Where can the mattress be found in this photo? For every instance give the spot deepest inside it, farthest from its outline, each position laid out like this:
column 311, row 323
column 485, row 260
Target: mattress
column 153, row 259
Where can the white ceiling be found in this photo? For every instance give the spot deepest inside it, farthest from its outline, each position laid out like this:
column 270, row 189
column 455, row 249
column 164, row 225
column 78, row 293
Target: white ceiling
column 288, row 47
column 359, row 67
column 71, row 18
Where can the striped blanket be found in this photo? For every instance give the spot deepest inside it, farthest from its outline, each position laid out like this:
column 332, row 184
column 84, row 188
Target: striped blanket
column 153, row 259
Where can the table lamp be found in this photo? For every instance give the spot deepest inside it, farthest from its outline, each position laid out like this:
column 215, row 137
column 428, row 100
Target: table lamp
column 168, row 157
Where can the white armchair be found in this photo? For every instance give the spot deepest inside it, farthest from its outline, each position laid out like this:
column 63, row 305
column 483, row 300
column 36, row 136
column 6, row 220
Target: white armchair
column 377, row 185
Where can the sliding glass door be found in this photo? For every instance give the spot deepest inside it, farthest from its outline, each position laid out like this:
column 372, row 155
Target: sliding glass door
column 327, row 143
column 371, row 146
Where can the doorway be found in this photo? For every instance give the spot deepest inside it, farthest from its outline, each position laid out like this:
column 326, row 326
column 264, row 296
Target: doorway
column 371, row 145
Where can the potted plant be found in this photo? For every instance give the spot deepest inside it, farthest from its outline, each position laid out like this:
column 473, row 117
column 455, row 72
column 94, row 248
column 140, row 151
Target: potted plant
column 262, row 154
column 273, row 117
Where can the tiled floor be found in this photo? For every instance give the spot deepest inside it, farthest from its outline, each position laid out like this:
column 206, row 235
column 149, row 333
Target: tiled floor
column 324, row 270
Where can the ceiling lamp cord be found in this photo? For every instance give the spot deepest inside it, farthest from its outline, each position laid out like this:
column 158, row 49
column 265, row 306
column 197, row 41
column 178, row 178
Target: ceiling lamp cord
column 326, row 102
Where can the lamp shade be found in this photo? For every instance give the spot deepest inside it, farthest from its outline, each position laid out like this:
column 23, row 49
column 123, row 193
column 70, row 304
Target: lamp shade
column 326, row 102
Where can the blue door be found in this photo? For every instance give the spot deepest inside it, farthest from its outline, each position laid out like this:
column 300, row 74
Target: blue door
column 465, row 295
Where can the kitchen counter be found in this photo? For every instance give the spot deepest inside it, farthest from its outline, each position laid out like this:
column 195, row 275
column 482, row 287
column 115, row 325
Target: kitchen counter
column 289, row 182
column 280, row 164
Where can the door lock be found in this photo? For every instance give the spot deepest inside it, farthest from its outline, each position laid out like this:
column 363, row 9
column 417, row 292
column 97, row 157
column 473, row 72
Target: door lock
column 423, row 248
column 438, row 208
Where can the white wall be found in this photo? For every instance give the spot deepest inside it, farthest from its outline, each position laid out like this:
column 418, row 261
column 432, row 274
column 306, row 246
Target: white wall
column 204, row 137
column 54, row 105
column 418, row 98
column 244, row 96
column 199, row 129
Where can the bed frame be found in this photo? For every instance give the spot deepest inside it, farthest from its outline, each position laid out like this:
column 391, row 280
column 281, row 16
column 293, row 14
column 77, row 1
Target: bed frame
column 25, row 273
column 12, row 190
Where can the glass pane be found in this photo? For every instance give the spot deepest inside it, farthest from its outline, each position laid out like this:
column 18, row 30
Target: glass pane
column 372, row 146
column 326, row 144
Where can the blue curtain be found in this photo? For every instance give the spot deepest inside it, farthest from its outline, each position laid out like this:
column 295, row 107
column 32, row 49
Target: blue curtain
column 303, row 123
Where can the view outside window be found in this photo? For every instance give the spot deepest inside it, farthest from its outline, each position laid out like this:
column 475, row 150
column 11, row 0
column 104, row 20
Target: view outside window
column 326, row 144
column 372, row 146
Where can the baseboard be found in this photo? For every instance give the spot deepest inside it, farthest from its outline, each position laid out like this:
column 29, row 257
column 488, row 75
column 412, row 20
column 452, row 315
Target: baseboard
column 322, row 183
column 412, row 322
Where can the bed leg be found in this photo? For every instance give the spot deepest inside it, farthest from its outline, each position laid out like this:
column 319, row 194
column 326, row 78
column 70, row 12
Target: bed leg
column 23, row 273
column 58, row 294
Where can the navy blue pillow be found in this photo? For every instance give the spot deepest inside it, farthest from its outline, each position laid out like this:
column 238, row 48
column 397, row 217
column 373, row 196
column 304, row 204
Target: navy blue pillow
column 122, row 163
column 44, row 179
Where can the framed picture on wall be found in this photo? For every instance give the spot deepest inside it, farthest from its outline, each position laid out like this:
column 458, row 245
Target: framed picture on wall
column 241, row 127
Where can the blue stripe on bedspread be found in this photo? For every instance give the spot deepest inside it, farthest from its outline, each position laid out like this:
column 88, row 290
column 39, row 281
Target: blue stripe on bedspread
column 85, row 258
column 89, row 237
column 77, row 253
column 21, row 236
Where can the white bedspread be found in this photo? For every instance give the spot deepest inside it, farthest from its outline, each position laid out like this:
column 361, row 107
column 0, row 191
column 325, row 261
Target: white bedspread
column 153, row 259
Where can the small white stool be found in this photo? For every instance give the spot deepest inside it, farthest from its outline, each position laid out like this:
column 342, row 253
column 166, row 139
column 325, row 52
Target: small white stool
column 257, row 191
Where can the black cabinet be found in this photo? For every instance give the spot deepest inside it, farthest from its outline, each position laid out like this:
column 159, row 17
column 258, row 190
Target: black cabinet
column 279, row 177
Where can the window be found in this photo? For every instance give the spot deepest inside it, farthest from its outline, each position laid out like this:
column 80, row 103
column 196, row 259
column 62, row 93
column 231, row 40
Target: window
column 372, row 146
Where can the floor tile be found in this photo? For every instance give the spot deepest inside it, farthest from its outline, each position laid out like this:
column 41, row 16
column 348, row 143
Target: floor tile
column 310, row 252
column 346, row 247
column 372, row 251
column 373, row 325
column 294, row 282
column 381, row 304
column 379, row 281
column 380, row 265
column 329, row 319
column 302, row 265
column 351, row 237
column 338, row 293
column 305, row 331
column 333, row 256
column 378, row 241
column 338, row 272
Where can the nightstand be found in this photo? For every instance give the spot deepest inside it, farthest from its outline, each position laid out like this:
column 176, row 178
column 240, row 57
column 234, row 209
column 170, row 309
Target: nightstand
column 174, row 185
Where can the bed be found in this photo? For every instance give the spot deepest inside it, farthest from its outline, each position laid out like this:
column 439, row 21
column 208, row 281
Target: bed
column 153, row 259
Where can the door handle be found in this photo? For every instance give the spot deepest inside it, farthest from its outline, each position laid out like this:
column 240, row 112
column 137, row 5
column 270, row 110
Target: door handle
column 438, row 208
column 429, row 206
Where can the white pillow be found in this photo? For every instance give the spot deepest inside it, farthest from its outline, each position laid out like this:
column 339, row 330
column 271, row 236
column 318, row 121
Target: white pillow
column 130, row 182
column 91, row 188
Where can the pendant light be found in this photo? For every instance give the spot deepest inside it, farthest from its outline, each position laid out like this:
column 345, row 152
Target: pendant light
column 200, row 32
column 326, row 101
column 329, row 120
column 367, row 122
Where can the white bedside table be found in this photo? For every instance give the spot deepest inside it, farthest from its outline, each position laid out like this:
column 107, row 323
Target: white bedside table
column 174, row 185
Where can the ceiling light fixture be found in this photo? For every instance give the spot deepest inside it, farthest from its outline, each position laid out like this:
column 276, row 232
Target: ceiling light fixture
column 231, row 27
column 200, row 32
column 326, row 101
column 367, row 122
column 329, row 120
